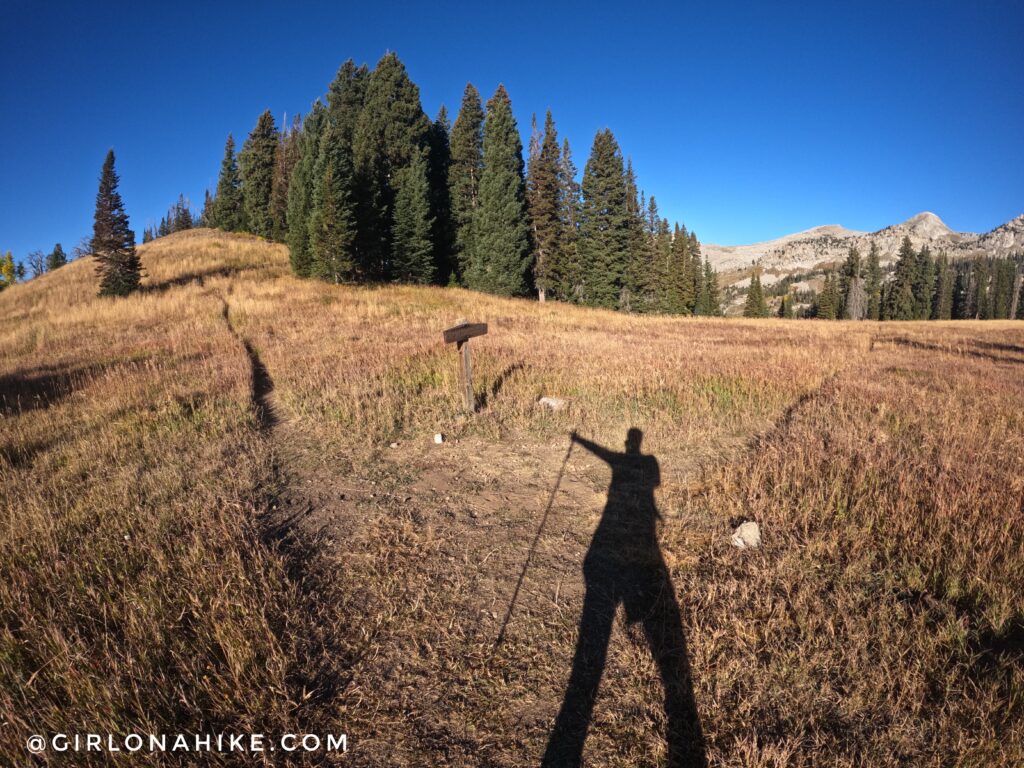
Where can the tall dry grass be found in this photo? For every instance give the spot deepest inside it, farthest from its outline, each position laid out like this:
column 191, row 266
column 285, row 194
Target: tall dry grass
column 880, row 623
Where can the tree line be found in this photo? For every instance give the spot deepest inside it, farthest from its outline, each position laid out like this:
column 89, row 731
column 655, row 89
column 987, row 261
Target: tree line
column 367, row 188
column 920, row 286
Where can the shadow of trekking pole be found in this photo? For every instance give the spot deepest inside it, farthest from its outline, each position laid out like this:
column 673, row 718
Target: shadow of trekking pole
column 533, row 548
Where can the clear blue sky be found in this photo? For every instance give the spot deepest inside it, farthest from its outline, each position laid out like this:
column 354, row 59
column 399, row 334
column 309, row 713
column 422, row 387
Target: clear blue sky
column 746, row 120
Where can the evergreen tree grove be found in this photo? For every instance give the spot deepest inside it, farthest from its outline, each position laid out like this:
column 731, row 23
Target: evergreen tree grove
column 113, row 242
column 413, row 246
column 300, row 192
column 755, row 305
column 56, row 259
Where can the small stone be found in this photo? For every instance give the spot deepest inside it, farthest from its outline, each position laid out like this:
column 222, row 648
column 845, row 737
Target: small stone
column 747, row 536
column 438, row 438
column 394, row 445
column 552, row 403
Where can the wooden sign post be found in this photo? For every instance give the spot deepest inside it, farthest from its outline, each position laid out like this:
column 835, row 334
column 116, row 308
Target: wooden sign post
column 460, row 335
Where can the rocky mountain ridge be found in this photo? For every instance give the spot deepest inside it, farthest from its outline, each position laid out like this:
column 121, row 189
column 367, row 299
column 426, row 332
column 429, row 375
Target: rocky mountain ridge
column 830, row 243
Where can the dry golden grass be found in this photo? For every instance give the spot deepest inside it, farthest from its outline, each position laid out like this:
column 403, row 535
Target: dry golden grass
column 166, row 564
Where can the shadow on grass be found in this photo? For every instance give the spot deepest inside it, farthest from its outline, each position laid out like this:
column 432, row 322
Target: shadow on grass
column 39, row 388
column 624, row 565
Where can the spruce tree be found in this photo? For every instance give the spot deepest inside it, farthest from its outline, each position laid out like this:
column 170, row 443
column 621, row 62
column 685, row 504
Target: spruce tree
column 256, row 163
column 443, row 234
column 56, row 259
column 390, row 132
column 412, row 243
column 227, row 205
column 300, row 192
column 634, row 294
column 873, row 284
column 982, row 282
column 827, row 303
column 501, row 236
column 285, row 159
column 332, row 229
column 113, row 242
column 206, row 216
column 566, row 275
column 942, row 306
column 543, row 194
column 1019, row 315
column 902, row 303
column 924, row 283
column 604, row 225
column 467, row 162
column 712, row 301
column 755, row 305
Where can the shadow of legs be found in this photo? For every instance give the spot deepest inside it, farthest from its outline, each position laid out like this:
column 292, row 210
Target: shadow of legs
column 565, row 747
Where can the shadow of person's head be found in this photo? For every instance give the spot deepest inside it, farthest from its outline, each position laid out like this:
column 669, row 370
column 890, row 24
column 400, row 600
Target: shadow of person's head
column 634, row 437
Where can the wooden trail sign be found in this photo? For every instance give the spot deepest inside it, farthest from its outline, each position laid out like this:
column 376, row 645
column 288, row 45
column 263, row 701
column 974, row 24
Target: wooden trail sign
column 460, row 335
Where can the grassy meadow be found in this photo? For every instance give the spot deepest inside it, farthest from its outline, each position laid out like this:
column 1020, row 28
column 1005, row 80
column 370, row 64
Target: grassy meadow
column 222, row 510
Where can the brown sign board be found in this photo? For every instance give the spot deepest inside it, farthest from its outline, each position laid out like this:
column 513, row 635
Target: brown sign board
column 464, row 332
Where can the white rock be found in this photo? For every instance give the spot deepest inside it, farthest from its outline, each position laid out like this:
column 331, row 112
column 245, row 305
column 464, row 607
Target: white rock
column 438, row 438
column 394, row 445
column 553, row 403
column 747, row 536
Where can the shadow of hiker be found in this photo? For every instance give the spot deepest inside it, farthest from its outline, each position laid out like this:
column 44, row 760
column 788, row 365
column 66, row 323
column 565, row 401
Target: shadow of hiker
column 624, row 565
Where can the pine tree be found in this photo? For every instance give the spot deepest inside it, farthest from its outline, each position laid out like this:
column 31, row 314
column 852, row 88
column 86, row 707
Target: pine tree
column 285, row 159
column 332, row 229
column 56, row 259
column 206, row 216
column 256, row 163
column 851, row 288
column 634, row 295
column 543, row 196
column 467, row 162
column 501, row 236
column 227, row 206
column 604, row 225
column 873, row 284
column 147, row 235
column 786, row 307
column 755, row 305
column 390, row 132
column 443, row 234
column 413, row 254
column 711, row 301
column 300, row 192
column 566, row 275
column 113, row 242
column 1004, row 274
column 942, row 306
column 924, row 284
column 902, row 303
column 982, row 281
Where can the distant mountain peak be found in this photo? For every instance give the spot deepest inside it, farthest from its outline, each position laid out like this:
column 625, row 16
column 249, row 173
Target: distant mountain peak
column 927, row 224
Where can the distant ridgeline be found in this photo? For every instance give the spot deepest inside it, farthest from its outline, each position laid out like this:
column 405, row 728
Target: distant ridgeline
column 367, row 188
column 919, row 286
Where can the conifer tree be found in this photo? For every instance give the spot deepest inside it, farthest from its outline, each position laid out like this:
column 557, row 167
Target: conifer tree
column 56, row 259
column 634, row 295
column 501, row 237
column 712, row 301
column 1004, row 274
column 567, row 272
column 942, row 306
column 285, row 159
column 443, row 234
column 827, row 303
column 413, row 255
column 902, row 303
column 604, row 225
column 982, row 280
column 924, row 283
column 227, row 206
column 1019, row 315
column 390, row 132
column 256, row 163
column 755, row 305
column 300, row 192
column 113, row 242
column 786, row 307
column 543, row 196
column 467, row 162
column 206, row 216
column 873, row 284
column 332, row 228
column 849, row 277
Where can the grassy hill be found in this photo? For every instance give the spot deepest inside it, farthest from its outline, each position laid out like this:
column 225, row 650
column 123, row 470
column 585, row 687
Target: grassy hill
column 223, row 511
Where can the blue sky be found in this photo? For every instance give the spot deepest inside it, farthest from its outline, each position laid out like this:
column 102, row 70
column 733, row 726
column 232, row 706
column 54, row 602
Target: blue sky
column 746, row 120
